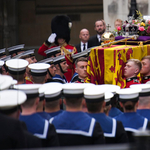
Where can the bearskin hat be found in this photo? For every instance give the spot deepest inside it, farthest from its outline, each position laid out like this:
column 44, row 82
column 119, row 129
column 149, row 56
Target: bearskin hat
column 60, row 25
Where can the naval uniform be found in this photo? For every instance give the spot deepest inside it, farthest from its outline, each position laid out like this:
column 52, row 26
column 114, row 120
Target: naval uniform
column 58, row 78
column 11, row 134
column 113, row 130
column 132, row 121
column 50, row 80
column 44, row 115
column 53, row 114
column 74, row 77
column 145, row 79
column 77, row 128
column 114, row 112
column 144, row 112
column 133, row 80
column 41, row 128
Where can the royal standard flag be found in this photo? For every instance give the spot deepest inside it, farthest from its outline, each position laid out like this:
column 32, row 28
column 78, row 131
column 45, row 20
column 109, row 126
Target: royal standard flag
column 106, row 65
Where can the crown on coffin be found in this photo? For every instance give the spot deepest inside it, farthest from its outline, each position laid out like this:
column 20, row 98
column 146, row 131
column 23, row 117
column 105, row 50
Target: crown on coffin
column 129, row 29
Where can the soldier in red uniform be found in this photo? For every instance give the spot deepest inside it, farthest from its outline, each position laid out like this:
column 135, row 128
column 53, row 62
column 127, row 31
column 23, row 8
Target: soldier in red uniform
column 131, row 70
column 60, row 27
column 145, row 71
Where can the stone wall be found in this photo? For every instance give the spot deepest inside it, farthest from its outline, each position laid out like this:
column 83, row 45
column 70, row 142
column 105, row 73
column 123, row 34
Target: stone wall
column 119, row 9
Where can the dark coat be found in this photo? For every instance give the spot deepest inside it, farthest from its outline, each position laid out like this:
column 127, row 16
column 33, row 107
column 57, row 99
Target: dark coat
column 93, row 41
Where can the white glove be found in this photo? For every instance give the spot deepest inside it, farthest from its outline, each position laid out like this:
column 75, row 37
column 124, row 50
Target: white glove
column 52, row 37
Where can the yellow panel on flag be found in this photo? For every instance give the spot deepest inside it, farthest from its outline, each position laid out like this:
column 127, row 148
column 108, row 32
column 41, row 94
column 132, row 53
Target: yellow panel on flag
column 106, row 65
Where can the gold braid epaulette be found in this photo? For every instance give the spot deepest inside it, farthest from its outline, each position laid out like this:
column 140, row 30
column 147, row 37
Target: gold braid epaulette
column 67, row 53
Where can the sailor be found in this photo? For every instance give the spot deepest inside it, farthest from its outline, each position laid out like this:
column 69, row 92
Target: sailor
column 144, row 100
column 1, row 65
column 51, row 70
column 38, row 72
column 53, row 52
column 38, row 76
column 130, row 119
column 53, row 98
column 15, row 50
column 97, row 99
column 10, row 101
column 31, row 54
column 61, row 67
column 2, row 53
column 73, row 126
column 36, row 125
column 4, row 67
column 115, row 107
column 17, row 69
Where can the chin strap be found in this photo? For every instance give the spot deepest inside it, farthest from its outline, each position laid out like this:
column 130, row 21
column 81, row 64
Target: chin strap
column 49, row 73
column 61, row 68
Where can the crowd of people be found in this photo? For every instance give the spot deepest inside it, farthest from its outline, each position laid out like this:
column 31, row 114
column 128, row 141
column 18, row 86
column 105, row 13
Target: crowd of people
column 47, row 103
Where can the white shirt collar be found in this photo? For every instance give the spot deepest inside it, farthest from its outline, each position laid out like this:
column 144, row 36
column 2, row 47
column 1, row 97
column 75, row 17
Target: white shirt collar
column 99, row 37
column 86, row 44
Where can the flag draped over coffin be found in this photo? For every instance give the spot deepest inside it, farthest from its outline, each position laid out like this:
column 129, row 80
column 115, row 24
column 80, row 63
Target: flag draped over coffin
column 106, row 65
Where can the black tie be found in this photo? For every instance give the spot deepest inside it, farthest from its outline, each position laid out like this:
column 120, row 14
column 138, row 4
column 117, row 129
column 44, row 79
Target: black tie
column 84, row 46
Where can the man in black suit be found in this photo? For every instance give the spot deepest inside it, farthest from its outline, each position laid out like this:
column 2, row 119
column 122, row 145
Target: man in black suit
column 100, row 28
column 84, row 37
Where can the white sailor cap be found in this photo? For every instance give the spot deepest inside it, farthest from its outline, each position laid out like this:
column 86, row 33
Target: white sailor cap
column 53, row 93
column 73, row 90
column 1, row 63
column 15, row 49
column 59, row 59
column 31, row 90
column 47, row 61
column 148, row 82
column 94, row 94
column 5, row 82
column 52, row 51
column 28, row 52
column 129, row 94
column 110, row 87
column 108, row 96
column 145, row 89
column 48, row 86
column 14, row 82
column 2, row 52
column 6, row 58
column 78, row 55
column 10, row 99
column 38, row 69
column 16, row 65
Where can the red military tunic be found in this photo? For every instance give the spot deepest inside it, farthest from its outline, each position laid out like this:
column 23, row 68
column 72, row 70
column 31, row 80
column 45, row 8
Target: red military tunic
column 66, row 50
column 145, row 79
column 133, row 80
column 28, row 80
